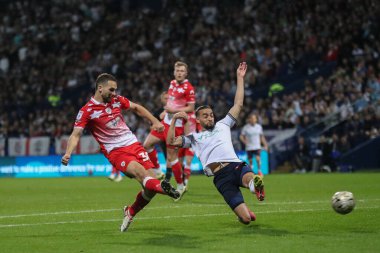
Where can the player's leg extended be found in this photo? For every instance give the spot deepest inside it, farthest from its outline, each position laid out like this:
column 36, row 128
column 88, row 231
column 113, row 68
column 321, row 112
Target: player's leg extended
column 235, row 200
column 227, row 185
column 254, row 183
column 142, row 199
column 244, row 214
column 148, row 180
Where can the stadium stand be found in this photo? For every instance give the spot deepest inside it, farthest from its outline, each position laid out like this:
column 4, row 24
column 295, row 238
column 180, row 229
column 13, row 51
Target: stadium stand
column 50, row 55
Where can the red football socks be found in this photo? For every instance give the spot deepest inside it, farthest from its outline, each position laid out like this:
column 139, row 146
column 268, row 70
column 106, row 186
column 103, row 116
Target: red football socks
column 177, row 171
column 153, row 184
column 140, row 202
column 154, row 158
column 187, row 172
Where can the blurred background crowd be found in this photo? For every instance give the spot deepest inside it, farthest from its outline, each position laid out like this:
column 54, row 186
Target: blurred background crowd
column 307, row 60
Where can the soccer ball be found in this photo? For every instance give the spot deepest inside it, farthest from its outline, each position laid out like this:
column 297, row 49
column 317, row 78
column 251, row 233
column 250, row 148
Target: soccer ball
column 343, row 202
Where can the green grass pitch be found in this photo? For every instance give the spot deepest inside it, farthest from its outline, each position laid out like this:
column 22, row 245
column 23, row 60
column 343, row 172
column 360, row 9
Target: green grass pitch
column 84, row 215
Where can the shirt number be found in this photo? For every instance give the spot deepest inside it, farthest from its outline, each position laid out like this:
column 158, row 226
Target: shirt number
column 144, row 156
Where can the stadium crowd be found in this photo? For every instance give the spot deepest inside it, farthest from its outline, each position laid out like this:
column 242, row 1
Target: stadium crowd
column 50, row 55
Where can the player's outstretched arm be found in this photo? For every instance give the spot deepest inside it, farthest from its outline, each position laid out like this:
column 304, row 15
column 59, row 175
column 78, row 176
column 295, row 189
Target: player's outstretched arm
column 143, row 112
column 71, row 144
column 171, row 139
column 239, row 95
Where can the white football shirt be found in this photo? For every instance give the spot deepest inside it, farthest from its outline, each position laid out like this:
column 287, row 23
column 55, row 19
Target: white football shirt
column 252, row 134
column 214, row 145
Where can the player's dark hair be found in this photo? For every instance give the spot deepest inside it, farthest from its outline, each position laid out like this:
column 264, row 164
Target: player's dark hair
column 200, row 108
column 103, row 79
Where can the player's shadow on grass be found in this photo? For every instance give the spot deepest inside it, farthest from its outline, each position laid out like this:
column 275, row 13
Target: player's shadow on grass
column 262, row 230
column 173, row 240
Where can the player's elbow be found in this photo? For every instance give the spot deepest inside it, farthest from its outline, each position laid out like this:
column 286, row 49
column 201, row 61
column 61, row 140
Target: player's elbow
column 239, row 104
column 77, row 133
column 170, row 140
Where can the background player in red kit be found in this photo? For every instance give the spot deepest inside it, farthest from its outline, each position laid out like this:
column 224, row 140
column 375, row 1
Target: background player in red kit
column 102, row 116
column 181, row 98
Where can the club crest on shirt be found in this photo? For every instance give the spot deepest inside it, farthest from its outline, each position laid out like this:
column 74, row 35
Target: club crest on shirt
column 108, row 110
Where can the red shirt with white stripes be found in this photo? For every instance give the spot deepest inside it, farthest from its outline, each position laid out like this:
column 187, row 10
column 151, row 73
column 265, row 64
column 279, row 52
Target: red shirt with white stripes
column 106, row 123
column 180, row 95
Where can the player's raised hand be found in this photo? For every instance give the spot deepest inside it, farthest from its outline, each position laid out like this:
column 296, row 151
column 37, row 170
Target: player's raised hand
column 158, row 126
column 65, row 159
column 242, row 69
column 180, row 115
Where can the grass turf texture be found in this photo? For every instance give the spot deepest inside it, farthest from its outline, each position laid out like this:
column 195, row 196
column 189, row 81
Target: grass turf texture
column 84, row 214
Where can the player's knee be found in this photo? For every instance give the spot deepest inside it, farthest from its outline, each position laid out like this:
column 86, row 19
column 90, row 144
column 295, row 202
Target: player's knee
column 245, row 219
column 147, row 146
column 247, row 177
column 148, row 195
column 137, row 171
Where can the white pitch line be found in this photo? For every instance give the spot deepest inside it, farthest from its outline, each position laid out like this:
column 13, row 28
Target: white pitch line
column 58, row 213
column 175, row 206
column 168, row 217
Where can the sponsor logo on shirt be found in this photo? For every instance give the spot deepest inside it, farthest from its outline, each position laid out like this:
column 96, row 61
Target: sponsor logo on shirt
column 113, row 123
column 206, row 134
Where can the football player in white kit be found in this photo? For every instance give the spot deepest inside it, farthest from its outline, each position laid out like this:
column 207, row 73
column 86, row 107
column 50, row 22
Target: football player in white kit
column 213, row 146
column 252, row 136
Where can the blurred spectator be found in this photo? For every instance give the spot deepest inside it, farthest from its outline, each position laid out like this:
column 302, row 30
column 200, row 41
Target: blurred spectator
column 50, row 53
column 302, row 159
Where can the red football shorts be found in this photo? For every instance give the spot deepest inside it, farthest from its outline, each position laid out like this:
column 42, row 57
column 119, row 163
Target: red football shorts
column 185, row 152
column 121, row 157
column 162, row 135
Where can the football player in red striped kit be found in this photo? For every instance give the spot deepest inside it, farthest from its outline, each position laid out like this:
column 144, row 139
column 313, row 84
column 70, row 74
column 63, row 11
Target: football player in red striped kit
column 102, row 117
column 181, row 99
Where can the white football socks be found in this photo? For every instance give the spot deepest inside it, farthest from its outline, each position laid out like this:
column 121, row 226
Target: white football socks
column 251, row 186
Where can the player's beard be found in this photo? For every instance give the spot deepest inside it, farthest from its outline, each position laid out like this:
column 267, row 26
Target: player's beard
column 107, row 98
column 209, row 127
